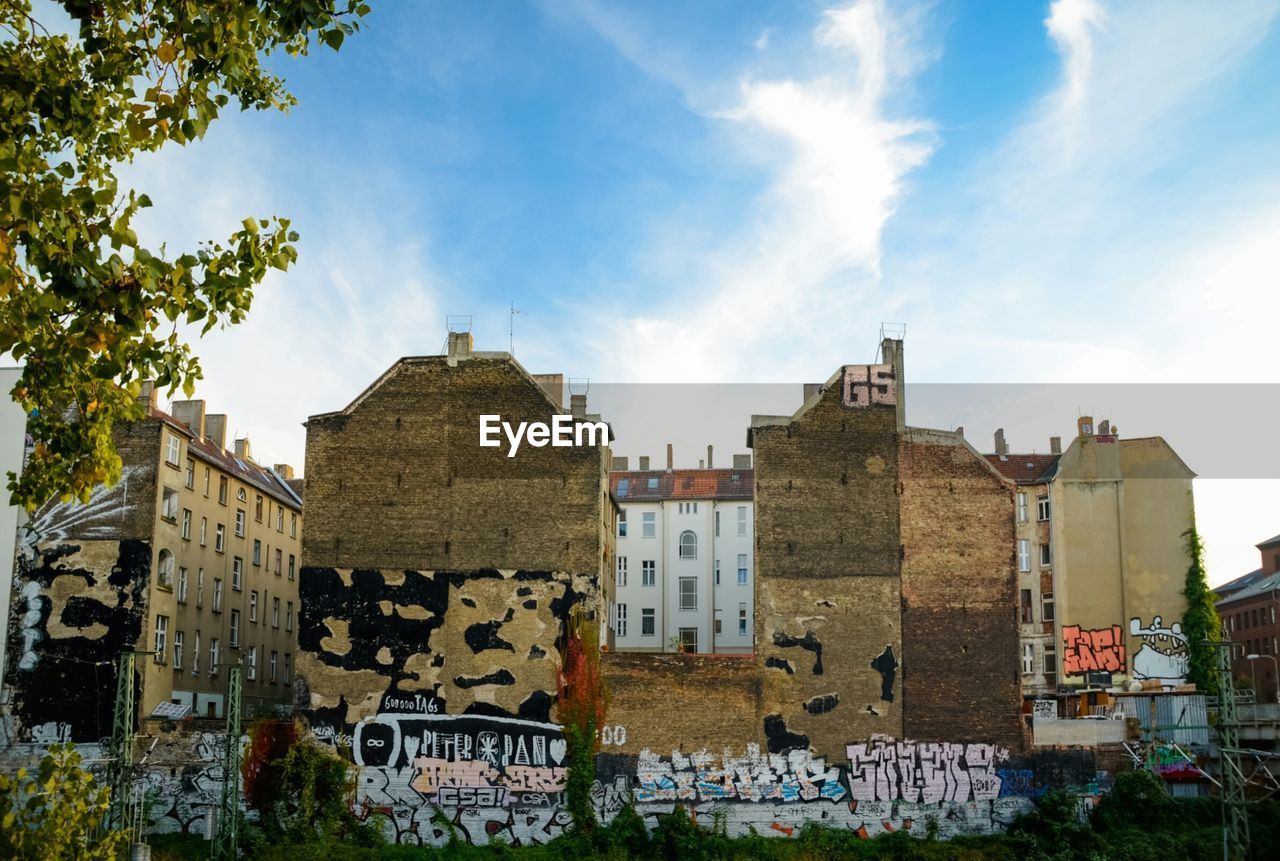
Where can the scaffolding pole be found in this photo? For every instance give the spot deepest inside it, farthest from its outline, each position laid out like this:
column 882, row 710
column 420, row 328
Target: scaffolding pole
column 120, row 760
column 225, row 844
column 1235, row 815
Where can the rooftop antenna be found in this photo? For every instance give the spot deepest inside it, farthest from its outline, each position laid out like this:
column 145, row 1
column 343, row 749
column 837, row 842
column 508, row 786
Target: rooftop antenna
column 511, row 331
column 896, row 331
column 455, row 323
column 579, row 385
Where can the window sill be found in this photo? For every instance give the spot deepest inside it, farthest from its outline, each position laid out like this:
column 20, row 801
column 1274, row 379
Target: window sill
column 167, row 587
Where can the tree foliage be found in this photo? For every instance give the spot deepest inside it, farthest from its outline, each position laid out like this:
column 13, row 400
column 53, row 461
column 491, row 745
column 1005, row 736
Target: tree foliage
column 84, row 305
column 580, row 708
column 1200, row 623
column 56, row 813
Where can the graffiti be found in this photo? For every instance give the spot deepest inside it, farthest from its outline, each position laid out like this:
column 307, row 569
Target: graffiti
column 30, row 632
column 754, row 777
column 51, row 733
column 1163, row 655
column 1090, row 651
column 869, row 385
column 1172, row 764
column 1045, row 710
column 927, row 772
column 611, row 735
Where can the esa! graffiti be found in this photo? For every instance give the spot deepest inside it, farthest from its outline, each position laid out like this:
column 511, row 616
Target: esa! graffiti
column 1092, row 651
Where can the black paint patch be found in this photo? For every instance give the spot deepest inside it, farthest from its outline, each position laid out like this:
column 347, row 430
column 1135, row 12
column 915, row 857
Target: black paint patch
column 821, row 705
column 500, row 677
column 511, row 614
column 530, row 604
column 468, row 602
column 887, row 666
column 536, row 652
column 537, row 706
column 809, row 641
column 524, row 591
column 780, row 664
column 437, row 661
column 534, row 575
column 780, row 738
column 484, row 635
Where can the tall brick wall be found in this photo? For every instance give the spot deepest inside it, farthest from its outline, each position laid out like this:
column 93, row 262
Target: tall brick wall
column 959, row 606
column 828, row 589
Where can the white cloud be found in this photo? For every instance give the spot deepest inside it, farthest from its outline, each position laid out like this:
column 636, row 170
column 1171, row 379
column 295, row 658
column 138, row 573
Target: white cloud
column 1071, row 24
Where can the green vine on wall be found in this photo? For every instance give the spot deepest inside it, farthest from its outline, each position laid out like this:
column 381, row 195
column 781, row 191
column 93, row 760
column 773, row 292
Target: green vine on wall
column 581, row 708
column 1200, row 624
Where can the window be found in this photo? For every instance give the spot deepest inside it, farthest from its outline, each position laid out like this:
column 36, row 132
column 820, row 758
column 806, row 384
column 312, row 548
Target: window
column 1042, row 508
column 273, row 667
column 164, row 569
column 689, row 640
column 620, row 619
column 204, row 530
column 275, row 612
column 1028, row 659
column 191, row 474
column 186, row 524
column 240, row 522
column 162, row 638
column 622, row 571
column 1050, row 659
column 647, row 626
column 648, row 572
column 717, row 519
column 219, row 538
column 279, row 561
column 206, row 482
column 222, row 490
column 199, row 591
column 1027, row 615
column 182, row 585
column 648, row 524
column 622, row 525
column 169, row 505
column 177, row 650
column 688, row 593
column 1022, row 508
column 214, row 655
column 742, row 569
column 688, row 545
column 742, row 618
column 257, row 508
column 1024, row 554
column 288, row 616
column 624, row 485
column 235, row 628
column 253, row 606
column 293, row 526
column 288, row 667
column 742, row 520
column 237, row 572
column 257, row 551
column 1046, row 603
column 240, row 494
column 217, row 594
column 195, row 656
column 1046, row 556
column 251, row 667
column 718, row 624
column 173, row 456
column 279, row 518
column 291, row 566
column 653, row 483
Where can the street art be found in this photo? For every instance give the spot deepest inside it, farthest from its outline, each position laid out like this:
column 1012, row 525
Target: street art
column 1045, row 710
column 1092, row 651
column 1163, row 655
column 754, row 777
column 928, row 772
column 869, row 385
column 1172, row 764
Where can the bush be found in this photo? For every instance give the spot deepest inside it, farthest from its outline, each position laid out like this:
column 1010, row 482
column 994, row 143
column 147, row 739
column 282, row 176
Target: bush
column 57, row 813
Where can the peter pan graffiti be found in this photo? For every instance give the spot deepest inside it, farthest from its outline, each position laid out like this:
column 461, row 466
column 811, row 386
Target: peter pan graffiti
column 1163, row 655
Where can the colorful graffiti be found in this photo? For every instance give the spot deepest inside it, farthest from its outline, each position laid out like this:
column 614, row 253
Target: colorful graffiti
column 753, row 777
column 1163, row 655
column 926, row 772
column 1092, row 651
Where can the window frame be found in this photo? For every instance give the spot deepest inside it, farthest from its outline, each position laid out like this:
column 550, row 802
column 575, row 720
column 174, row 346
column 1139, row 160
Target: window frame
column 682, row 594
column 684, row 545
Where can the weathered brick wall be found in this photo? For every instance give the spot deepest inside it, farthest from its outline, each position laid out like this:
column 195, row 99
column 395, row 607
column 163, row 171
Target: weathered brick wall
column 959, row 610
column 827, row 599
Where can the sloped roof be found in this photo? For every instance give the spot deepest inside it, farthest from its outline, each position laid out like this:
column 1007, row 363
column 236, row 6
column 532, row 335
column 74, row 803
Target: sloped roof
column 1262, row 545
column 1025, row 468
column 654, row 485
column 1260, row 586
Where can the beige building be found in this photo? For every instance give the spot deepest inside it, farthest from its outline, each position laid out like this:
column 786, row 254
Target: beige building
column 1101, row 561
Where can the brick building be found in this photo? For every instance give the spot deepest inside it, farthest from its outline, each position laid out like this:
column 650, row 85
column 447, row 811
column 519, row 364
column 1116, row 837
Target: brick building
column 1250, row 607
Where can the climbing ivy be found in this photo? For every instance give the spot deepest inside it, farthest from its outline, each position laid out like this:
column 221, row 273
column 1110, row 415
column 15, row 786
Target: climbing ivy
column 581, row 708
column 1200, row 623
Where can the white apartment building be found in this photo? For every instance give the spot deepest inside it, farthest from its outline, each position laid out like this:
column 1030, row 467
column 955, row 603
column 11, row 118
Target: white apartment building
column 685, row 566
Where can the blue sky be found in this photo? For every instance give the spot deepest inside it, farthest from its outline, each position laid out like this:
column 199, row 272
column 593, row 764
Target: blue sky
column 1074, row 191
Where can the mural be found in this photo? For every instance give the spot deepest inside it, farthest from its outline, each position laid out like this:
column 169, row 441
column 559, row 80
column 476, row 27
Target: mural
column 1163, row 655
column 869, row 385
column 1092, row 651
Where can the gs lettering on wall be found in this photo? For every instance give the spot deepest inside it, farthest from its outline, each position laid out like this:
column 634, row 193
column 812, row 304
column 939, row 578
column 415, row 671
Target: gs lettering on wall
column 1092, row 651
column 869, row 385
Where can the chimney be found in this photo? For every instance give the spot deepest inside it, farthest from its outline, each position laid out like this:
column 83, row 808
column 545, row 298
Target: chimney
column 459, row 346
column 742, row 461
column 553, row 385
column 1084, row 426
column 215, row 428
column 701, row 463
column 709, row 466
column 242, row 449
column 619, row 464
column 284, row 471
column 1104, row 428
column 191, row 413
column 1002, row 448
column 891, row 351
column 578, row 406
column 670, row 457
column 1055, row 445
column 811, row 389
column 644, row 463
column 147, row 394
column 960, row 431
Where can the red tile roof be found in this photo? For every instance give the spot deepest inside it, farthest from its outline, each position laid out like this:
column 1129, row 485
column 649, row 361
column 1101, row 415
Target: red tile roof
column 653, row 485
column 1025, row 468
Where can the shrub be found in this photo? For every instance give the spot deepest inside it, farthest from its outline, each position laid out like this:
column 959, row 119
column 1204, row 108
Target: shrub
column 57, row 813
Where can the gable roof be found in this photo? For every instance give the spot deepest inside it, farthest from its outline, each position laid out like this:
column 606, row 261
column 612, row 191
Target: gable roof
column 656, row 485
column 1025, row 468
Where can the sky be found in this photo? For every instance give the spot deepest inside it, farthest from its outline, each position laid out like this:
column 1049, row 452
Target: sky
column 740, row 193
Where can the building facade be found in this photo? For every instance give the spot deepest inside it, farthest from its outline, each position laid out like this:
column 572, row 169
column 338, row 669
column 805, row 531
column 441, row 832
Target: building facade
column 192, row 557
column 684, row 575
column 1250, row 610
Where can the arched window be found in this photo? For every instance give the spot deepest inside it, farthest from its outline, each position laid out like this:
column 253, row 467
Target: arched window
column 164, row 571
column 688, row 545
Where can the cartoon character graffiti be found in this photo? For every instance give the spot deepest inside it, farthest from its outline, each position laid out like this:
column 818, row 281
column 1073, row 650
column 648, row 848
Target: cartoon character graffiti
column 1163, row 655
